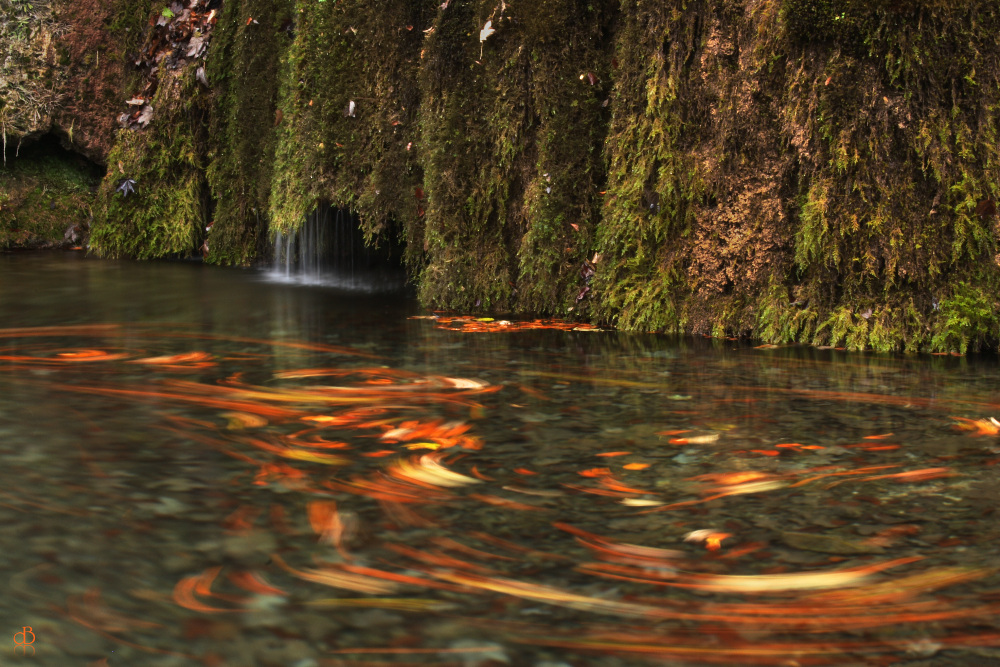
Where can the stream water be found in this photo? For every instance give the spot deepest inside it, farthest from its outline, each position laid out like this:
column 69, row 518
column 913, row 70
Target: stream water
column 202, row 467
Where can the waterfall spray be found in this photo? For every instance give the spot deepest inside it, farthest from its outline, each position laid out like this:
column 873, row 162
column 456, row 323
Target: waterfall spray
column 328, row 249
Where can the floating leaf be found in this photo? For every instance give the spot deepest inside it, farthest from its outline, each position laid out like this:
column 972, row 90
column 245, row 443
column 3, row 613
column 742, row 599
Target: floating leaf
column 398, row 604
column 255, row 583
column 428, row 469
column 359, row 583
column 710, row 538
column 979, row 427
column 761, row 583
column 696, row 440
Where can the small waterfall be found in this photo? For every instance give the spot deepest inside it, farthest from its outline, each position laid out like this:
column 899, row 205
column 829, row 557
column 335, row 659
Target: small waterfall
column 329, row 249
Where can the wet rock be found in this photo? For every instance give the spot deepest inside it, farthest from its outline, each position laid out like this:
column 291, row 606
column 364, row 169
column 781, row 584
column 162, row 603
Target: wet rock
column 548, row 461
column 255, row 546
column 317, row 628
column 78, row 642
column 181, row 562
column 827, row 544
column 537, row 417
column 481, row 653
column 163, row 661
column 168, row 506
column 374, row 618
column 275, row 652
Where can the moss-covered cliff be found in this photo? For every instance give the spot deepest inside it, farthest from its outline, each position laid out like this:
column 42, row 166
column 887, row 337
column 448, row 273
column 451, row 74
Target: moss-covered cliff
column 64, row 77
column 824, row 172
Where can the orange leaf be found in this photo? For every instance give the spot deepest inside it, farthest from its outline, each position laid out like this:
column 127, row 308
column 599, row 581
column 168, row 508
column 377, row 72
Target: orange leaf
column 185, row 589
column 254, row 583
column 915, row 475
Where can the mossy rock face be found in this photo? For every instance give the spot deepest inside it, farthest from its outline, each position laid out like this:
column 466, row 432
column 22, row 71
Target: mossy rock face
column 822, row 20
column 95, row 52
column 29, row 82
column 55, row 88
column 513, row 126
column 824, row 172
column 696, row 219
column 802, row 191
column 46, row 195
column 167, row 212
column 347, row 123
column 248, row 44
column 63, row 70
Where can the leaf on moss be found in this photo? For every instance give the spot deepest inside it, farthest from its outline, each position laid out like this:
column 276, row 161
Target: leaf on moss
column 145, row 116
column 486, row 31
column 126, row 186
column 197, row 46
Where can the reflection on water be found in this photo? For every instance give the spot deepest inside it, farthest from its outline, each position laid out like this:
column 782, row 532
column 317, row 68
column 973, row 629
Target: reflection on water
column 205, row 469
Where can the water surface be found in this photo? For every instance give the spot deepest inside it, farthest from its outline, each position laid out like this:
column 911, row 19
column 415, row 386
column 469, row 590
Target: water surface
column 202, row 467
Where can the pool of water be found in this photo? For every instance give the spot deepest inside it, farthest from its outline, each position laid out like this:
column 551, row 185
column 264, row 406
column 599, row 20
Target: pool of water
column 202, row 467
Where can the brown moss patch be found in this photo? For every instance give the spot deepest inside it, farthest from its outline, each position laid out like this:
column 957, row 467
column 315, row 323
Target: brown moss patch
column 96, row 49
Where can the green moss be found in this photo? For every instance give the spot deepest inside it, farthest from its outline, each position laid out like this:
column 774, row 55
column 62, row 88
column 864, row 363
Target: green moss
column 570, row 74
column 512, row 128
column 969, row 319
column 821, row 172
column 167, row 214
column 475, row 120
column 903, row 159
column 366, row 54
column 837, row 158
column 247, row 44
column 655, row 181
column 126, row 30
column 43, row 192
column 822, row 20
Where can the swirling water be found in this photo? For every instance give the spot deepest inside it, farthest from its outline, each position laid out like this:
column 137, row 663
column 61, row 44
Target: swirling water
column 204, row 467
